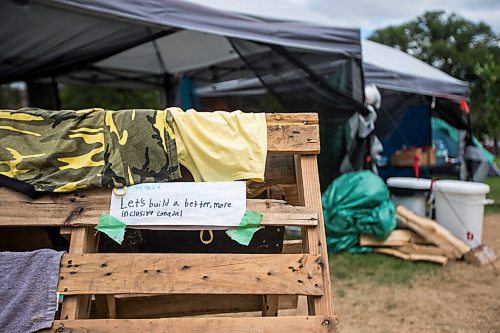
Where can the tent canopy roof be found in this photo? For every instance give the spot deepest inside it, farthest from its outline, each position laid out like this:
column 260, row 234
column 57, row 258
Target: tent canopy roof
column 275, row 10
column 82, row 32
column 390, row 68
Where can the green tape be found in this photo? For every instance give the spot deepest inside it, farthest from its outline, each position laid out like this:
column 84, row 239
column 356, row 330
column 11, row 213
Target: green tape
column 112, row 227
column 249, row 225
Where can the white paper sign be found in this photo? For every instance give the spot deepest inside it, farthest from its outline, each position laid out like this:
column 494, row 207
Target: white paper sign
column 217, row 204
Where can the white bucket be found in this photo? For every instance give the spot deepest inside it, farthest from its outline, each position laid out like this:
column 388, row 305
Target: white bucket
column 410, row 193
column 460, row 208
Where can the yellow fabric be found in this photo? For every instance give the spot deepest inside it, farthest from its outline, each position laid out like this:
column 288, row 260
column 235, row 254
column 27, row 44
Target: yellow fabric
column 221, row 146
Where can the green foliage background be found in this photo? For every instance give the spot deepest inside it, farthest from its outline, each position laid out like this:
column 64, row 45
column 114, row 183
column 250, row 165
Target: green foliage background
column 79, row 97
column 466, row 50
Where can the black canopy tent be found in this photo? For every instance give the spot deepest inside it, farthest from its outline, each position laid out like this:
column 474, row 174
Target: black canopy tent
column 134, row 43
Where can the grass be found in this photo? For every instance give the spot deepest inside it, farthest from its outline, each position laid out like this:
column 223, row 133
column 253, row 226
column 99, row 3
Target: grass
column 494, row 194
column 377, row 268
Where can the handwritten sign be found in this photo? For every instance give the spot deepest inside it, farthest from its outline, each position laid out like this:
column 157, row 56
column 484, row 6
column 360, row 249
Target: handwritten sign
column 171, row 205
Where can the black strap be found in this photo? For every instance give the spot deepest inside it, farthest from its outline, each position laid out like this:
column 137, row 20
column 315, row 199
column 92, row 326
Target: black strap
column 19, row 186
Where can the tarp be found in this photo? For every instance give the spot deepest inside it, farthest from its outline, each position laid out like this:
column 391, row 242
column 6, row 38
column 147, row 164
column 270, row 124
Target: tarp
column 451, row 137
column 357, row 203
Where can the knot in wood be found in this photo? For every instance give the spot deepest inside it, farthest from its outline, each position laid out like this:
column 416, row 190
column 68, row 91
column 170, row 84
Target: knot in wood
column 60, row 328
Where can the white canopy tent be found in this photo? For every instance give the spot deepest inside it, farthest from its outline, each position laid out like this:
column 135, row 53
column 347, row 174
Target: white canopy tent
column 390, row 68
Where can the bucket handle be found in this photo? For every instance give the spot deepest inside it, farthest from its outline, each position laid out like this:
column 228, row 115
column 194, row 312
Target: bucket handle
column 488, row 202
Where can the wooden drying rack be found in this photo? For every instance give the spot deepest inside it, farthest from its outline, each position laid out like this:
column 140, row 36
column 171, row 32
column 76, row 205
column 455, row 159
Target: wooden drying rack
column 150, row 287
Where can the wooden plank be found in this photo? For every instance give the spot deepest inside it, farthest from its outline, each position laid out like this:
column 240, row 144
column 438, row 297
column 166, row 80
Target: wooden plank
column 413, row 257
column 292, row 118
column 110, row 299
column 270, row 305
column 422, row 249
column 292, row 246
column 314, row 238
column 83, row 240
column 84, row 208
column 99, row 308
column 293, row 139
column 274, row 274
column 66, row 232
column 433, row 232
column 316, row 324
column 398, row 237
column 278, row 213
column 160, row 306
column 280, row 170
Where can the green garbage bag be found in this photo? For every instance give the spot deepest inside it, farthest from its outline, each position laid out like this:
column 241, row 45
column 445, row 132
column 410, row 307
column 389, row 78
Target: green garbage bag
column 357, row 203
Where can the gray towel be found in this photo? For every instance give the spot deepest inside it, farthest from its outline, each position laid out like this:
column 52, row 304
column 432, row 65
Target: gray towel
column 28, row 285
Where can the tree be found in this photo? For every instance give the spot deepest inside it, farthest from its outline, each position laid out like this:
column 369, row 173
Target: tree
column 10, row 97
column 78, row 97
column 454, row 45
column 489, row 73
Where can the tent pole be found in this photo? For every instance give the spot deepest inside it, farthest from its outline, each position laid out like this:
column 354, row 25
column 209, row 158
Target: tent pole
column 55, row 91
column 163, row 98
column 167, row 93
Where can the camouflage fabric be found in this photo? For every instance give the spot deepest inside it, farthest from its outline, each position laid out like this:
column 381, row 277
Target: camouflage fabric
column 61, row 151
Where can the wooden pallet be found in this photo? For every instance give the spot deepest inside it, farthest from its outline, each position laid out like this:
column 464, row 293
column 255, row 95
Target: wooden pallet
column 135, row 291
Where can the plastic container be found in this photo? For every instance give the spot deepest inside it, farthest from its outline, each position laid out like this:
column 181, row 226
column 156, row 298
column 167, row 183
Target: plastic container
column 460, row 208
column 441, row 152
column 410, row 192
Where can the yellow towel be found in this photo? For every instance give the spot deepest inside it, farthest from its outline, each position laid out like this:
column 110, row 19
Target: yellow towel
column 221, row 146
